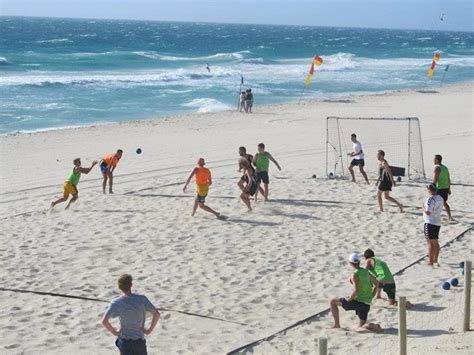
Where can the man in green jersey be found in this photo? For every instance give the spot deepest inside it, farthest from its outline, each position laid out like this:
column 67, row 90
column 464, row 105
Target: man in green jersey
column 443, row 182
column 262, row 160
column 361, row 297
column 70, row 185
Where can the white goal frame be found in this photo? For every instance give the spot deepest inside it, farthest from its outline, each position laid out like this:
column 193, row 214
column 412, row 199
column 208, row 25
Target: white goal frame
column 413, row 128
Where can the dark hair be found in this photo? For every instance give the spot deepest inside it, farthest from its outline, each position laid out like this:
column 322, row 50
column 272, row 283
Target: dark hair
column 381, row 152
column 354, row 135
column 120, row 151
column 77, row 159
column 369, row 253
column 125, row 282
column 261, row 145
column 243, row 148
column 439, row 157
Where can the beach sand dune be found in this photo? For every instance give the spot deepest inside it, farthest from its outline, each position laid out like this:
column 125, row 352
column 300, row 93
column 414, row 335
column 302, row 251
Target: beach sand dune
column 265, row 270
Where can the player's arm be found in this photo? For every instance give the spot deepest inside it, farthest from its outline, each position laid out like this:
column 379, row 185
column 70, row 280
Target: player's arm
column 375, row 284
column 354, row 283
column 273, row 160
column 254, row 160
column 156, row 317
column 449, row 183
column 108, row 326
column 210, row 178
column 87, row 170
column 189, row 179
column 369, row 264
column 437, row 171
column 428, row 209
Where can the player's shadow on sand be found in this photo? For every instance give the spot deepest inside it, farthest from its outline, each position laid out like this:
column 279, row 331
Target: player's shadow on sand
column 422, row 333
column 310, row 203
column 423, row 307
column 251, row 222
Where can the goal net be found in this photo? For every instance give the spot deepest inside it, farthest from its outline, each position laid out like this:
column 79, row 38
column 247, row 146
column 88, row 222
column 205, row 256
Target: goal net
column 399, row 138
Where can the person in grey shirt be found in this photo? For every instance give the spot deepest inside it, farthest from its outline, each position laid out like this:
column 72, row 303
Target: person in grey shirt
column 131, row 309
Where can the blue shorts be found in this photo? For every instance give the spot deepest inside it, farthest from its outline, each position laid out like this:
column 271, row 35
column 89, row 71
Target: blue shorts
column 262, row 176
column 103, row 167
column 357, row 162
column 131, row 347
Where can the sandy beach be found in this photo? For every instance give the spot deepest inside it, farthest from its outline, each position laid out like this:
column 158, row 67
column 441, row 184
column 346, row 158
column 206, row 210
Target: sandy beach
column 260, row 271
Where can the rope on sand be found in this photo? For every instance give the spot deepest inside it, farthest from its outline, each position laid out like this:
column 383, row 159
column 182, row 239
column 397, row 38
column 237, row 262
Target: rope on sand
column 327, row 310
column 104, row 301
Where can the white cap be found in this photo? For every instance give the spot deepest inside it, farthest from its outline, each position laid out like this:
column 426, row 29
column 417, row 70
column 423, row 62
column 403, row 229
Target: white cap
column 354, row 258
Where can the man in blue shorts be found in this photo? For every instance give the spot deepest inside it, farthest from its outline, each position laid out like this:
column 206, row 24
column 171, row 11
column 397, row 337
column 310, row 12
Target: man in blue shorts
column 131, row 309
column 357, row 159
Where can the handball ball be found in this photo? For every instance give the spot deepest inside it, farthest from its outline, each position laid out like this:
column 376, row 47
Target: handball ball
column 314, row 176
column 461, row 264
column 446, row 285
column 399, row 179
column 331, row 175
column 139, row 151
column 454, row 282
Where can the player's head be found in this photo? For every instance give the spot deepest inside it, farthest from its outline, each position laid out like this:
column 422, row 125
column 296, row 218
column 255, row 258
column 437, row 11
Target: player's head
column 369, row 253
column 432, row 190
column 437, row 159
column 242, row 151
column 380, row 154
column 201, row 162
column 119, row 154
column 77, row 162
column 261, row 147
column 353, row 137
column 354, row 260
column 125, row 283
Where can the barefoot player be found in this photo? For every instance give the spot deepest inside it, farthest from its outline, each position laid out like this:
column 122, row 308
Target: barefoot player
column 70, row 185
column 107, row 167
column 385, row 182
column 361, row 297
column 443, row 182
column 432, row 217
column 262, row 160
column 203, row 180
column 357, row 156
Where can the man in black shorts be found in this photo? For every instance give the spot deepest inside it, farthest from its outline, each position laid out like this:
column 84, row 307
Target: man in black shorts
column 244, row 179
column 432, row 217
column 442, row 181
column 361, row 297
column 248, row 179
column 357, row 159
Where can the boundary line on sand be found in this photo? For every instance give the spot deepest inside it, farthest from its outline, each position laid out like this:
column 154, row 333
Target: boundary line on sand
column 104, row 301
column 327, row 310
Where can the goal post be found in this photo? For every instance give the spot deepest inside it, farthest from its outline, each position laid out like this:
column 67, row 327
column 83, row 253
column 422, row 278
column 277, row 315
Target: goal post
column 398, row 137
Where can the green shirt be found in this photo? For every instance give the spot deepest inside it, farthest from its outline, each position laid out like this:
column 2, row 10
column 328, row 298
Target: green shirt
column 364, row 286
column 443, row 178
column 74, row 177
column 381, row 271
column 262, row 162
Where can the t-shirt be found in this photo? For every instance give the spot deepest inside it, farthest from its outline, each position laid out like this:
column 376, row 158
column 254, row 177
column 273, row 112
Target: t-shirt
column 433, row 204
column 110, row 160
column 357, row 147
column 131, row 311
column 203, row 175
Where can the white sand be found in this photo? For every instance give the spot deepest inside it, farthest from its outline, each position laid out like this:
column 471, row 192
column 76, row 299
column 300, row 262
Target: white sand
column 267, row 269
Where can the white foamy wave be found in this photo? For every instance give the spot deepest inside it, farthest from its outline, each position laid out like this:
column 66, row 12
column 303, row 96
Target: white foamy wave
column 3, row 60
column 207, row 105
column 338, row 61
column 55, row 40
column 217, row 56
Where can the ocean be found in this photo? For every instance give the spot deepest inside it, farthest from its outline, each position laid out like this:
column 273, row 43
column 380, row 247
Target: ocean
column 58, row 73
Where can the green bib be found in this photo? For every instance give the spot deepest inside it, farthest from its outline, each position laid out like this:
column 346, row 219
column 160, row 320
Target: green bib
column 74, row 177
column 381, row 270
column 364, row 286
column 262, row 162
column 443, row 179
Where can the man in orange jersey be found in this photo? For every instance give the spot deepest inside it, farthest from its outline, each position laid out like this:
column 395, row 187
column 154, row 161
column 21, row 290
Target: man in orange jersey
column 107, row 167
column 203, row 180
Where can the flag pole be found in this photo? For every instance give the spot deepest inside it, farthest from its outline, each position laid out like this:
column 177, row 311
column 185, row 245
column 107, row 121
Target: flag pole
column 444, row 75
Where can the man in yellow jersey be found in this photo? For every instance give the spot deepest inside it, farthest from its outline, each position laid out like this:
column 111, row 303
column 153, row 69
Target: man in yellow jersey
column 203, row 180
column 107, row 167
column 361, row 297
column 443, row 182
column 70, row 185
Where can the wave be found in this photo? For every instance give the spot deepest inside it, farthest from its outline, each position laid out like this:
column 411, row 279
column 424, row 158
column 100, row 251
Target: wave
column 55, row 40
column 218, row 56
column 207, row 105
column 4, row 61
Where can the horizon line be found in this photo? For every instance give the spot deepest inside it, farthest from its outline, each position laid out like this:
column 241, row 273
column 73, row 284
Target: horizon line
column 233, row 23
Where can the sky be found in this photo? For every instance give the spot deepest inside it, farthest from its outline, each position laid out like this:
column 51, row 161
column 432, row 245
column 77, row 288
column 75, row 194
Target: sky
column 409, row 14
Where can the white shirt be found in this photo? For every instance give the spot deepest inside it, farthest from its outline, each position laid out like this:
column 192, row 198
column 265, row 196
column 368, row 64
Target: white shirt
column 433, row 204
column 357, row 148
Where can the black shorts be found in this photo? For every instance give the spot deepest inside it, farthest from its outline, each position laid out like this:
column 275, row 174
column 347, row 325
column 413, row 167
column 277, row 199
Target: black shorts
column 431, row 231
column 262, row 176
column 361, row 309
column 201, row 199
column 251, row 187
column 385, row 186
column 389, row 289
column 357, row 162
column 444, row 194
